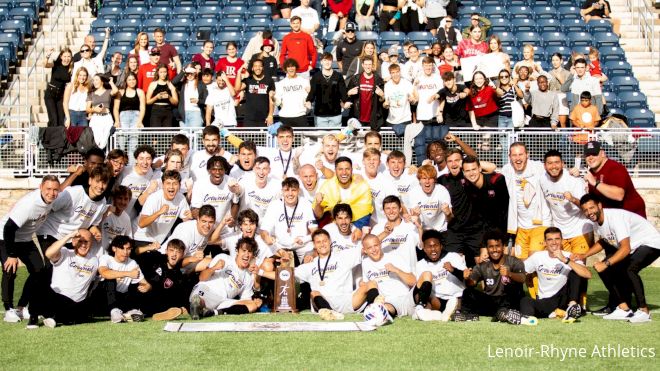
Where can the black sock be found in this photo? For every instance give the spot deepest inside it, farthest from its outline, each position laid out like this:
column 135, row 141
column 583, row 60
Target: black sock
column 237, row 309
column 424, row 293
column 321, row 303
column 371, row 295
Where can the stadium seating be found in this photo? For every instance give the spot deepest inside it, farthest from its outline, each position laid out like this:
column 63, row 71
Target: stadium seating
column 640, row 117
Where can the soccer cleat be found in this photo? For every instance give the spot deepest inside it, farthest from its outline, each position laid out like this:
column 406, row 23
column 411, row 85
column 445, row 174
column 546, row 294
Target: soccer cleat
column 134, row 315
column 557, row 313
column 422, row 314
column 116, row 316
column 330, row 315
column 33, row 323
column 464, row 317
column 50, row 322
column 573, row 312
column 196, row 309
column 602, row 311
column 620, row 315
column 211, row 313
column 529, row 320
column 24, row 313
column 640, row 317
column 450, row 308
column 11, row 316
column 167, row 315
column 514, row 317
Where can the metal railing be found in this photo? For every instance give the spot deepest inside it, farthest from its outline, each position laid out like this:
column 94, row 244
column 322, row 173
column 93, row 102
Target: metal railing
column 637, row 149
column 644, row 18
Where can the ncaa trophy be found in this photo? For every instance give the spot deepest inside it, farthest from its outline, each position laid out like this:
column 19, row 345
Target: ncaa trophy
column 285, row 291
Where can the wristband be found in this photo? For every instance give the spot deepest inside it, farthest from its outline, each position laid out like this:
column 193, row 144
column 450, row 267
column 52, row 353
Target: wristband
column 608, row 263
column 596, row 184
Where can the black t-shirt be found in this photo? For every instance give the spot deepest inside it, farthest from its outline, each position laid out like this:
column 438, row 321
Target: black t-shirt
column 461, row 205
column 454, row 113
column 160, row 276
column 493, row 285
column 270, row 65
column 491, row 201
column 327, row 94
column 60, row 75
column 346, row 52
column 600, row 8
column 257, row 95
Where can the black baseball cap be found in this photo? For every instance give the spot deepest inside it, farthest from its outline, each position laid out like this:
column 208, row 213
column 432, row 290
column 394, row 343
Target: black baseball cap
column 592, row 148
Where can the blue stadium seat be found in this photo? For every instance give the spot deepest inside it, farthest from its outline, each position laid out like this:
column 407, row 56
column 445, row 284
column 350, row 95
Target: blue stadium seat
column 640, row 118
column 259, row 10
column 160, row 12
column 518, row 2
column 507, row 39
column 580, row 39
column 109, row 11
column 614, row 53
column 545, row 12
column 500, row 25
column 617, row 68
column 4, row 67
column 573, row 25
column 209, row 11
column 281, row 24
column 123, row 49
column 539, row 53
column 257, row 24
column 553, row 39
column 180, row 24
column 129, row 25
column 563, row 50
column 611, row 99
column 419, row 37
column 624, row 83
column 606, row 39
column 548, row 25
column 14, row 25
column 9, row 52
column 28, row 13
column 367, row 36
column 223, row 36
column 231, row 24
column 523, row 25
column 114, row 3
column 391, row 37
column 234, row 11
column 149, row 25
column 568, row 12
column 512, row 51
column 599, row 25
column 529, row 37
column 123, row 38
column 135, row 12
column 632, row 99
column 521, row 12
column 101, row 24
column 279, row 35
column 183, row 12
column 207, row 25
column 178, row 38
column 466, row 10
column 495, row 11
column 14, row 39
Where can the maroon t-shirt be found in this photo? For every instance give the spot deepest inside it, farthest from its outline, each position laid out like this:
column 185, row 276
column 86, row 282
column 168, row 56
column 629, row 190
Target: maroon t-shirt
column 167, row 53
column 205, row 63
column 366, row 95
column 613, row 173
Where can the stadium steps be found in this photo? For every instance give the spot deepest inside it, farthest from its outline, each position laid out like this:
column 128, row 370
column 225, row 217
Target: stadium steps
column 71, row 34
column 638, row 57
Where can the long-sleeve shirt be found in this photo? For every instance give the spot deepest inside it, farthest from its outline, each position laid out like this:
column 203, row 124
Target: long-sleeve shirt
column 299, row 46
column 544, row 104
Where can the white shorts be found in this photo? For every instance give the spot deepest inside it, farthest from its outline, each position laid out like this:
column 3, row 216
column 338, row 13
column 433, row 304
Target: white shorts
column 213, row 299
column 404, row 304
column 563, row 104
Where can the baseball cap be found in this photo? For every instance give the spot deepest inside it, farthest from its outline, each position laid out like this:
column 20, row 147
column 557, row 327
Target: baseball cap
column 190, row 70
column 350, row 26
column 154, row 51
column 592, row 148
column 393, row 50
column 267, row 42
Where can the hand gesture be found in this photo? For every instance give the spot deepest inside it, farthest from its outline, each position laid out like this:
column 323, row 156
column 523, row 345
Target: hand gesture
column 233, row 186
column 356, row 235
column 568, row 196
column 579, row 257
column 448, row 267
column 144, row 287
column 96, row 233
column 308, row 105
column 352, row 91
column 187, row 215
column 557, row 254
column 153, row 185
column 504, row 271
column 318, row 198
column 11, row 264
column 450, row 138
column 391, row 268
column 600, row 266
column 163, row 209
column 319, row 164
column 445, row 209
column 134, row 273
column 590, row 178
column 467, row 273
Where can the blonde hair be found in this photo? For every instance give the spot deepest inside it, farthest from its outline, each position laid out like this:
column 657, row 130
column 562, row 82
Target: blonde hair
column 374, row 57
column 136, row 49
column 76, row 84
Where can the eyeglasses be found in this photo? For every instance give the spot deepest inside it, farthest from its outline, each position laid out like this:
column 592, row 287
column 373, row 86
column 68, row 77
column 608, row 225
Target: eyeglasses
column 118, row 162
column 449, row 21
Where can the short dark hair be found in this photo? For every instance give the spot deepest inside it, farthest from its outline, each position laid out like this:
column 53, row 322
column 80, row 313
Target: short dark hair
column 50, row 178
column 249, row 145
column 176, row 244
column 290, row 182
column 552, row 153
column 119, row 241
column 495, row 235
column 294, row 18
column 448, row 75
column 327, row 55
column 580, row 61
column 171, row 174
column 341, row 159
column 121, row 190
column 585, row 95
column 290, row 63
column 144, row 148
column 261, row 159
column 469, row 159
column 180, row 139
column 95, row 151
column 206, row 210
column 431, row 233
column 396, row 154
column 342, row 208
column 117, row 153
column 250, row 243
column 392, row 199
column 217, row 159
column 551, row 230
column 284, row 129
column 102, row 173
column 248, row 214
column 589, row 197
column 319, row 232
column 211, row 130
column 440, row 143
column 160, row 30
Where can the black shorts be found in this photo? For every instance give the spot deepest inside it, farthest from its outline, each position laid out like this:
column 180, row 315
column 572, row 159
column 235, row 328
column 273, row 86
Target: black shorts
column 433, row 23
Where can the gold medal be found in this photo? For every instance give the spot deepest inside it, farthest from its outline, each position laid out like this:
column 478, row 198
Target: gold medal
column 322, row 283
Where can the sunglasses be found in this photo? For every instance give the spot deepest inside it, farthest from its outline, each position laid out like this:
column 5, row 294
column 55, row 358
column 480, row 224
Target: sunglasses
column 504, row 76
column 85, row 50
column 351, row 31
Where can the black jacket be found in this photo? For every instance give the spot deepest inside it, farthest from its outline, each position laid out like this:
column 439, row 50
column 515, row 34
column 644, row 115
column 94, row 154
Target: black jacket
column 376, row 104
column 327, row 94
column 179, row 83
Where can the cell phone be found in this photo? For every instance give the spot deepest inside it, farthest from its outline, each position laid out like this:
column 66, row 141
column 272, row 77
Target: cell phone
column 100, row 105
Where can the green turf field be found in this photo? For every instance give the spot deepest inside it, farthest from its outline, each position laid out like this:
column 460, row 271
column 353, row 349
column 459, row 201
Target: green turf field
column 404, row 345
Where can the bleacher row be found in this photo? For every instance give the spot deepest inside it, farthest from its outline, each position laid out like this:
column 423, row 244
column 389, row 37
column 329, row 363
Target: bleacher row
column 17, row 18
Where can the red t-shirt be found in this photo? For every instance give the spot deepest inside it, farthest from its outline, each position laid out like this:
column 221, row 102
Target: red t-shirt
column 613, row 173
column 146, row 74
column 167, row 53
column 594, row 68
column 366, row 95
column 484, row 103
column 231, row 69
column 466, row 48
column 205, row 63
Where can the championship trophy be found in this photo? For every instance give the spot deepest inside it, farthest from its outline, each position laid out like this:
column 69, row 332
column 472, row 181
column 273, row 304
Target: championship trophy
column 285, row 291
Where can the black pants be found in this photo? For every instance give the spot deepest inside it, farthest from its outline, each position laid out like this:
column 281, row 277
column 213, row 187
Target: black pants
column 622, row 279
column 54, row 108
column 539, row 122
column 28, row 253
column 105, row 297
column 543, row 307
column 300, row 121
column 161, row 116
column 410, row 22
column 384, row 23
column 466, row 241
column 478, row 302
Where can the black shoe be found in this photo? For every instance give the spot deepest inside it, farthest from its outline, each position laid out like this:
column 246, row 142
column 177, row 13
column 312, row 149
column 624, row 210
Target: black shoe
column 602, row 311
column 33, row 323
column 459, row 316
column 210, row 313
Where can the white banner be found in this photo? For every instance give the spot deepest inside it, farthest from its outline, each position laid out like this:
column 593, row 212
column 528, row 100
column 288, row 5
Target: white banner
column 267, row 326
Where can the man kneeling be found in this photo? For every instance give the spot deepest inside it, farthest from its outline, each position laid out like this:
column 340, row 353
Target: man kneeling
column 225, row 279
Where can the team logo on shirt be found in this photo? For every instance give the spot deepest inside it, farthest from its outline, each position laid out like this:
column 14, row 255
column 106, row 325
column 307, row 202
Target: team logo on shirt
column 216, row 199
column 403, row 189
column 83, row 270
column 85, row 214
column 554, row 270
column 234, row 281
column 137, row 189
column 379, row 275
column 170, row 214
column 258, row 199
column 292, row 88
column 395, row 242
column 331, row 268
column 296, row 218
column 440, row 275
column 491, row 193
column 335, row 246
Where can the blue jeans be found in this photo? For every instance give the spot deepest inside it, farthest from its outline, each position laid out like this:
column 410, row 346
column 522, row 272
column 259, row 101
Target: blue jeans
column 327, row 121
column 504, row 122
column 428, row 135
column 399, row 129
column 78, row 118
column 193, row 119
column 128, row 120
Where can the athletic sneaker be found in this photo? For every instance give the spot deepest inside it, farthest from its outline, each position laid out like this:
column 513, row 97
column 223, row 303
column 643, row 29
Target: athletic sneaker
column 619, row 314
column 196, row 309
column 529, row 321
column 330, row 315
column 24, row 313
column 33, row 323
column 450, row 308
column 184, row 311
column 422, row 314
column 515, row 317
column 602, row 311
column 212, row 313
column 50, row 322
column 134, row 315
column 573, row 312
column 640, row 317
column 465, row 317
column 167, row 315
column 116, row 315
column 11, row 316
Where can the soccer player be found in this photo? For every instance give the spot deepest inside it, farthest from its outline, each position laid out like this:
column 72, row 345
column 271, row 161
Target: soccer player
column 116, row 221
column 343, row 234
column 631, row 244
column 379, row 186
column 248, row 225
column 310, row 180
column 259, row 190
column 225, row 279
column 558, row 280
column 247, row 153
column 138, row 178
column 398, row 236
column 16, row 242
column 439, row 280
column 401, row 176
column 216, row 189
column 503, row 276
column 429, row 201
column 211, row 141
column 392, row 275
column 79, row 174
column 488, row 194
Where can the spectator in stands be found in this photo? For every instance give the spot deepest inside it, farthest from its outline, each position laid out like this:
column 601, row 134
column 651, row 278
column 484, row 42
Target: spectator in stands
column 364, row 14
column 447, row 33
column 256, row 43
column 339, row 11
column 479, row 21
column 534, row 67
column 348, row 48
column 435, row 11
column 141, row 48
column 268, row 60
column 93, row 65
column 582, row 81
column 368, row 51
column 299, row 46
column 280, row 8
column 192, row 97
column 162, row 96
column 399, row 95
column 133, row 66
column 524, row 80
column 453, row 108
column 231, row 65
column 90, row 41
column 545, row 105
column 113, row 70
column 392, row 58
column 483, row 103
column 473, row 44
column 60, row 75
column 450, row 62
column 328, row 94
column 412, row 16
column 428, row 84
column 600, row 9
column 365, row 92
column 412, row 69
column 309, row 18
column 291, row 95
column 74, row 101
column 129, row 108
column 507, row 93
column 220, row 103
column 204, row 58
column 557, row 76
column 495, row 47
column 147, row 72
column 168, row 54
column 259, row 94
column 585, row 115
column 99, row 103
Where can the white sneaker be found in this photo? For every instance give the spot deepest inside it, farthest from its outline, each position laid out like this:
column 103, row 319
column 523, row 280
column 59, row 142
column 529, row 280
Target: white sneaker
column 25, row 313
column 133, row 315
column 619, row 314
column 640, row 317
column 450, row 308
column 11, row 316
column 50, row 322
column 116, row 315
column 330, row 315
column 422, row 314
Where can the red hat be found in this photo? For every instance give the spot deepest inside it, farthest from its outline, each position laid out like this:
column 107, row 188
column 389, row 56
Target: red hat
column 268, row 42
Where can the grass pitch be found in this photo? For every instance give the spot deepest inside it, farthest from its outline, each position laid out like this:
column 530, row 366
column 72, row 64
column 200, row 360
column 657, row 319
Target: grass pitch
column 404, row 345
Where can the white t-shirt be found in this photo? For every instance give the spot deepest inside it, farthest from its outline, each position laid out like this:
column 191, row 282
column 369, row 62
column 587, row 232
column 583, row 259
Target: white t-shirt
column 292, row 93
column 279, row 161
column 275, row 222
column 72, row 210
column 430, row 206
column 190, row 92
column 404, row 184
column 229, row 242
column 403, row 241
column 308, row 16
column 137, row 184
column 410, row 70
column 198, row 164
column 552, row 273
column 340, row 242
column 445, row 284
column 219, row 196
column 29, row 213
column 337, row 272
column 113, row 226
column 160, row 228
column 566, row 215
column 239, row 174
column 258, row 199
column 312, row 153
column 389, row 284
column 381, row 187
column 188, row 233
column 397, row 95
column 109, row 262
column 230, row 281
column 619, row 224
column 426, row 88
column 527, row 214
column 73, row 274
column 223, row 107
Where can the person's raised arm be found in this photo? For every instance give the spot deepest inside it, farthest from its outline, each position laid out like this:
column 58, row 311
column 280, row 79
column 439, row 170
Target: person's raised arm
column 53, row 252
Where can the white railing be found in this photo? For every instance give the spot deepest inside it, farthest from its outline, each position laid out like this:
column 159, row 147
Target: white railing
column 13, row 112
column 644, row 18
